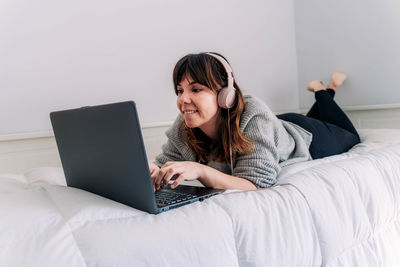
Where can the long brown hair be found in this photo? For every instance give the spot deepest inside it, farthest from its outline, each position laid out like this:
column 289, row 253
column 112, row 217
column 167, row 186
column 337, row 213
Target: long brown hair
column 207, row 70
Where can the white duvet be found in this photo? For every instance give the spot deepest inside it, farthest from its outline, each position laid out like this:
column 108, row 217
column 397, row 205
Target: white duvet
column 338, row 211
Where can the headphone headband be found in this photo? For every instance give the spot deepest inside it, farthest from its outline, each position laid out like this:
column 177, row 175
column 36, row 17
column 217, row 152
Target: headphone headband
column 227, row 68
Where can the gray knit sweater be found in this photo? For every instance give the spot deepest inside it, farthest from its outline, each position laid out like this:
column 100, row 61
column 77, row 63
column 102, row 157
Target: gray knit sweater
column 277, row 143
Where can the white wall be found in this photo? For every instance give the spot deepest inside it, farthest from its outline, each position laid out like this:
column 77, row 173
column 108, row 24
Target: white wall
column 65, row 54
column 359, row 37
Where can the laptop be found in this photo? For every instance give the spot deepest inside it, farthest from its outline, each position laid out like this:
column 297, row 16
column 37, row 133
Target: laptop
column 102, row 151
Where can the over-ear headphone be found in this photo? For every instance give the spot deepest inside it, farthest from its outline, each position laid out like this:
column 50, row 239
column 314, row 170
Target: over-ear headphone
column 226, row 98
column 227, row 95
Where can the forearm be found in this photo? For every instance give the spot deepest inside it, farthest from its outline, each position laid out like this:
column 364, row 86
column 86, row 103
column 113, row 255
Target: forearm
column 215, row 179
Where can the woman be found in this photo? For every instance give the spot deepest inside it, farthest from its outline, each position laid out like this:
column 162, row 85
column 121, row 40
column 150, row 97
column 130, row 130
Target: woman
column 241, row 144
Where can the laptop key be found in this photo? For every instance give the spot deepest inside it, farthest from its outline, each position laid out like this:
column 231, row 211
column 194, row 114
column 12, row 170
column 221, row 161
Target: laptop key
column 172, row 197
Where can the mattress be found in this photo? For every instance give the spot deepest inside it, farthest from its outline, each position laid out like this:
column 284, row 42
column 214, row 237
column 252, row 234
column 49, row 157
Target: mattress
column 337, row 211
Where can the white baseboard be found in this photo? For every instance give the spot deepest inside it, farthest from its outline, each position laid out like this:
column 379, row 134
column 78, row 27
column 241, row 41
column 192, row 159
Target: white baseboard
column 20, row 152
column 380, row 118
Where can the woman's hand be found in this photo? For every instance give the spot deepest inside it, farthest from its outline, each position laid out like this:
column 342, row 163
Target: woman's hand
column 178, row 171
column 154, row 170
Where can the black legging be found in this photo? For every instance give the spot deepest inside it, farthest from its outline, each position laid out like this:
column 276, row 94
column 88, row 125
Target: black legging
column 333, row 133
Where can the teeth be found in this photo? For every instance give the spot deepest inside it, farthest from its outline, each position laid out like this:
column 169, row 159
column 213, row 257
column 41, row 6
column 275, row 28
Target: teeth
column 189, row 111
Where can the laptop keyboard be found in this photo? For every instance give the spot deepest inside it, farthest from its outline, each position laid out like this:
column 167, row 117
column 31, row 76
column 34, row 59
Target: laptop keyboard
column 166, row 197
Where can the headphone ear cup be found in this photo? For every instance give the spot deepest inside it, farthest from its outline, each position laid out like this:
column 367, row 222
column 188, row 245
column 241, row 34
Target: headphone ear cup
column 226, row 97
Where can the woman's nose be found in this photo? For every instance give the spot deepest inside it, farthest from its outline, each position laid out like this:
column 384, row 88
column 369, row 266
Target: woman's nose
column 184, row 97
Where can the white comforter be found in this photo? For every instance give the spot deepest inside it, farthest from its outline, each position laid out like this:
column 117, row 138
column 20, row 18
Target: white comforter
column 338, row 211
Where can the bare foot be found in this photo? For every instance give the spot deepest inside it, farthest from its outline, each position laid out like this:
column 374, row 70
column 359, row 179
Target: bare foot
column 315, row 86
column 337, row 79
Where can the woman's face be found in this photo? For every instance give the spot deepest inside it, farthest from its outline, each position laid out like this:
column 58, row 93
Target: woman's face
column 198, row 105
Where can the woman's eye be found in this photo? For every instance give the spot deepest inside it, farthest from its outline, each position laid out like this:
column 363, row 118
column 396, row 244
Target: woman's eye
column 196, row 90
column 179, row 91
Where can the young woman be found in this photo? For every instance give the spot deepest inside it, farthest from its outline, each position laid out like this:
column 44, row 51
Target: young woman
column 230, row 141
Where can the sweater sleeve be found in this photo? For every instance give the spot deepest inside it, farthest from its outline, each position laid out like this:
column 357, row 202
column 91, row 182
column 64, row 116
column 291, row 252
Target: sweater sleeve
column 261, row 166
column 175, row 149
column 169, row 153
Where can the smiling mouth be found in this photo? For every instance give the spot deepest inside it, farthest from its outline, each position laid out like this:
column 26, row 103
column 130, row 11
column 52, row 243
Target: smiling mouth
column 189, row 111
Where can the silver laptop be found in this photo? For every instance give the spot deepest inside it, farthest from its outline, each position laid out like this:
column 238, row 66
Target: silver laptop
column 102, row 151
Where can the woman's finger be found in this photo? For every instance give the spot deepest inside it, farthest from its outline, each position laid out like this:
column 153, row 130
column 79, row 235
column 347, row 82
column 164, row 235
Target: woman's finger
column 163, row 177
column 177, row 181
column 169, row 174
column 159, row 178
column 154, row 174
column 154, row 170
column 167, row 181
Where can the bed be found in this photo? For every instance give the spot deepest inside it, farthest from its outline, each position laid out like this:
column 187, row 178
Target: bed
column 342, row 210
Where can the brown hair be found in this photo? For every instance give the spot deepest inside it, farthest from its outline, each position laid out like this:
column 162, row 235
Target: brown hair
column 207, row 70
